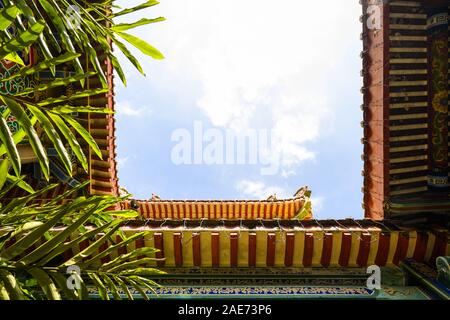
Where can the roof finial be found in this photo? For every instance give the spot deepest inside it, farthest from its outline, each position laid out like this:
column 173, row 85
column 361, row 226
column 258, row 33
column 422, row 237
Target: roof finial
column 303, row 192
column 272, row 197
column 155, row 197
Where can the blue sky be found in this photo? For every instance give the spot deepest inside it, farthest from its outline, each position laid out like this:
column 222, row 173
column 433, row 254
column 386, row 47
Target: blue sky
column 287, row 68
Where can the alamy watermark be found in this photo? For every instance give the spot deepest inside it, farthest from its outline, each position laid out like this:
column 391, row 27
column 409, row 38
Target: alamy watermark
column 73, row 281
column 214, row 146
column 374, row 280
column 374, row 14
column 73, row 16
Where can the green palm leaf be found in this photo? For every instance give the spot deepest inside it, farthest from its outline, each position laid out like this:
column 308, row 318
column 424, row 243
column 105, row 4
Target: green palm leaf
column 4, row 167
column 84, row 134
column 125, row 26
column 71, row 139
column 142, row 45
column 46, row 283
column 18, row 136
column 54, row 137
column 7, row 16
column 31, row 133
column 23, row 40
column 44, row 65
column 11, row 285
column 10, row 147
column 147, row 4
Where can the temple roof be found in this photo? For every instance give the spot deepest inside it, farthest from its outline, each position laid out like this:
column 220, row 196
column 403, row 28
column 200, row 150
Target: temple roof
column 220, row 209
column 269, row 243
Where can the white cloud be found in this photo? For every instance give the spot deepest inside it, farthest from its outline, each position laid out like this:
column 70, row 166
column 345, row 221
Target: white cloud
column 122, row 161
column 317, row 205
column 259, row 190
column 259, row 64
column 127, row 109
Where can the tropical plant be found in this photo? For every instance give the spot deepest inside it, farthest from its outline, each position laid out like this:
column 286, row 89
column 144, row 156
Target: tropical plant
column 33, row 240
column 34, row 237
column 60, row 41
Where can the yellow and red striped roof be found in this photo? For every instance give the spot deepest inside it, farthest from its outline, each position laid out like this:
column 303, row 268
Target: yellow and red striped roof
column 289, row 245
column 219, row 209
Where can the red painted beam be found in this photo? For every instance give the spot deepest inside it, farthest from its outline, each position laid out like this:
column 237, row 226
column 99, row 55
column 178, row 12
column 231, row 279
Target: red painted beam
column 123, row 249
column 421, row 246
column 364, row 249
column 140, row 243
column 289, row 251
column 159, row 244
column 252, row 249
column 326, row 249
column 383, row 249
column 270, row 258
column 309, row 248
column 440, row 246
column 345, row 249
column 102, row 248
column 234, row 249
column 402, row 248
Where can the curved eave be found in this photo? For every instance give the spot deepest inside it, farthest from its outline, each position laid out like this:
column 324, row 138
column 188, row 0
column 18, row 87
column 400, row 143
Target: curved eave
column 225, row 209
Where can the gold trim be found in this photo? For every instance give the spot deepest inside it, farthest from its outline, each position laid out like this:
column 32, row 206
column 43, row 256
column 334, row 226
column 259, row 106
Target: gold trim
column 408, row 180
column 224, row 248
column 410, row 148
column 393, row 242
column 406, row 170
column 317, row 248
column 102, row 184
column 408, row 60
column 430, row 246
column 299, row 249
column 374, row 242
column 408, row 138
column 411, row 244
column 336, row 249
column 99, row 192
column 100, row 174
column 408, row 16
column 205, row 249
column 409, row 116
column 280, row 249
column 407, row 191
column 407, row 72
column 408, row 94
column 169, row 253
column 409, row 127
column 408, row 105
column 408, row 83
column 354, row 249
column 405, row 4
column 99, row 122
column 243, row 249
column 408, row 50
column 261, row 248
column 100, row 163
column 407, row 38
column 407, row 27
column 408, row 159
column 96, row 131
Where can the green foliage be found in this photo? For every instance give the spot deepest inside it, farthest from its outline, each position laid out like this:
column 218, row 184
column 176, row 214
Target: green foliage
column 34, row 24
column 34, row 238
column 27, row 225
